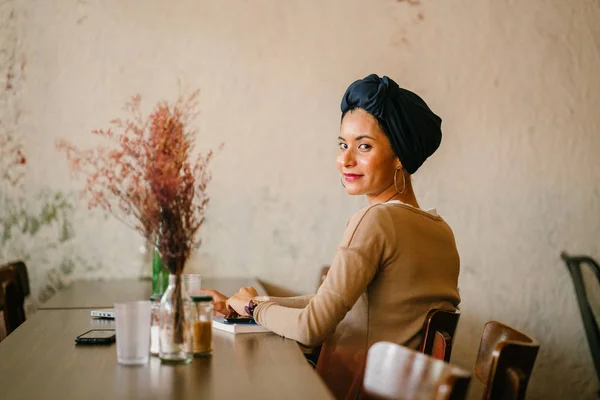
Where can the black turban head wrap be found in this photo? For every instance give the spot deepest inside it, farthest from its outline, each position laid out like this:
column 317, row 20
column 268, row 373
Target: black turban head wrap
column 413, row 129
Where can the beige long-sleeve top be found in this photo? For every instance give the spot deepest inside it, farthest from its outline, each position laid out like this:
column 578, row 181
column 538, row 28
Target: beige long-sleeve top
column 393, row 264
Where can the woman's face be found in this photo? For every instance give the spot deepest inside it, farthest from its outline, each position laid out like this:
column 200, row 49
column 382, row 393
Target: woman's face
column 365, row 159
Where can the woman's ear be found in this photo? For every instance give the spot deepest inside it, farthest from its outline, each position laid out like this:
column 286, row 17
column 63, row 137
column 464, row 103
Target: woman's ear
column 398, row 163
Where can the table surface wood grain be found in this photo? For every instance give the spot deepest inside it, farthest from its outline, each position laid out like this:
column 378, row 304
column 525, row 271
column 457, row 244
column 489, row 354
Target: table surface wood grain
column 41, row 361
column 103, row 294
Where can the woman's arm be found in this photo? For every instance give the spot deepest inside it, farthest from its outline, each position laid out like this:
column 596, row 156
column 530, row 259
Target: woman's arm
column 293, row 302
column 364, row 247
column 347, row 280
column 239, row 302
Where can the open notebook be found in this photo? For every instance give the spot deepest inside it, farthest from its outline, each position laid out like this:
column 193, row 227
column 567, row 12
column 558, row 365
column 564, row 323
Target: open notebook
column 221, row 324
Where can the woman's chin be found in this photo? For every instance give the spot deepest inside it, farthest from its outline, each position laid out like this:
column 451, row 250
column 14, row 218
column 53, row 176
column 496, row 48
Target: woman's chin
column 353, row 190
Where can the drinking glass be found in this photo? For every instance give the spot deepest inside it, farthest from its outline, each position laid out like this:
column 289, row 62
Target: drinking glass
column 192, row 284
column 132, row 320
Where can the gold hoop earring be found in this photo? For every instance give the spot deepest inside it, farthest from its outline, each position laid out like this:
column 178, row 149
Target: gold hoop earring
column 342, row 180
column 403, row 180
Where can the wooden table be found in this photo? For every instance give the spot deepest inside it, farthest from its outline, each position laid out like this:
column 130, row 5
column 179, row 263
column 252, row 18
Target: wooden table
column 103, row 294
column 40, row 360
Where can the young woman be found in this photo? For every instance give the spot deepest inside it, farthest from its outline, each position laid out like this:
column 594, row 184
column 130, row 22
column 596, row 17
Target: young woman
column 395, row 261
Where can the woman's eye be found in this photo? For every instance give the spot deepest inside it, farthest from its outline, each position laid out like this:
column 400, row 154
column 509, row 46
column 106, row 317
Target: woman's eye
column 364, row 146
column 343, row 146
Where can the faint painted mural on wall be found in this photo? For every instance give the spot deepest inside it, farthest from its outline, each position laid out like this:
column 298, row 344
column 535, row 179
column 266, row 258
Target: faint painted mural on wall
column 38, row 229
column 35, row 223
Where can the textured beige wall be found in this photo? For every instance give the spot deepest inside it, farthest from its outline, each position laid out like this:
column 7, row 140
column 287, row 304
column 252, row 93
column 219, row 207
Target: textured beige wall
column 517, row 84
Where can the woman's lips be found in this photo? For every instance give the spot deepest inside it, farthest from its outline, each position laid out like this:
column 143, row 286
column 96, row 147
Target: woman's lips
column 351, row 177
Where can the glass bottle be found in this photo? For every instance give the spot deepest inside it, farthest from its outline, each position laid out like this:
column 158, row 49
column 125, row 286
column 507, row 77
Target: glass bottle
column 175, row 332
column 202, row 325
column 160, row 274
column 155, row 325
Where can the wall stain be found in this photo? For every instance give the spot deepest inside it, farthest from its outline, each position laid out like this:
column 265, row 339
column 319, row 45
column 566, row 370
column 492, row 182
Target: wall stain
column 399, row 38
column 9, row 78
column 411, row 2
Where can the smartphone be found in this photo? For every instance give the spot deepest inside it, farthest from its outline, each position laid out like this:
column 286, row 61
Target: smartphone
column 239, row 320
column 97, row 336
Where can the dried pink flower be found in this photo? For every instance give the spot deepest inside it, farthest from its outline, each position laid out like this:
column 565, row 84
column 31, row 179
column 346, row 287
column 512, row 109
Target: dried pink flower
column 147, row 179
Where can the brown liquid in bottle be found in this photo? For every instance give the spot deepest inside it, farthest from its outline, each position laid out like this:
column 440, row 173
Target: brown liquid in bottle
column 202, row 337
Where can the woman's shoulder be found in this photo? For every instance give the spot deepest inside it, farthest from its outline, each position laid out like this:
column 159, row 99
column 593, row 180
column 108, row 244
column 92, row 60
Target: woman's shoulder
column 370, row 221
column 385, row 211
column 367, row 215
column 402, row 209
column 381, row 220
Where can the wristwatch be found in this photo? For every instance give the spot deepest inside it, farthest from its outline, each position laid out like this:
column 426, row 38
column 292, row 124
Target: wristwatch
column 255, row 302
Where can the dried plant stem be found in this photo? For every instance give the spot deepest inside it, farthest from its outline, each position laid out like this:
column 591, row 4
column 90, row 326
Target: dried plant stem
column 179, row 312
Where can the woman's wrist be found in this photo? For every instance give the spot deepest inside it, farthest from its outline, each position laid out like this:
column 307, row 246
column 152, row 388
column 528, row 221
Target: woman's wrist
column 253, row 303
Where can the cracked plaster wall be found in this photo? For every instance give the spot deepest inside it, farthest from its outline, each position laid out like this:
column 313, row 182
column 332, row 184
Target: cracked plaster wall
column 517, row 84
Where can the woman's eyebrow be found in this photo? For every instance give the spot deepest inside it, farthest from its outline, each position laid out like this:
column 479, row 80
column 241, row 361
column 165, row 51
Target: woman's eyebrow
column 358, row 137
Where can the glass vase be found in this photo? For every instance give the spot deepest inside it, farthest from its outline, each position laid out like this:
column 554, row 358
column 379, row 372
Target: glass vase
column 160, row 274
column 175, row 329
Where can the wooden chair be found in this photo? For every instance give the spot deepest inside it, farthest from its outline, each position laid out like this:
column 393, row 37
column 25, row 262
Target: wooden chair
column 590, row 323
column 504, row 362
column 3, row 333
column 23, row 276
column 399, row 373
column 12, row 298
column 438, row 333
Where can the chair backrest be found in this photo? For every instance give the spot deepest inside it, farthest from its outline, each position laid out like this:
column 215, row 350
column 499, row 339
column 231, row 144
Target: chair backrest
column 590, row 323
column 505, row 361
column 399, row 373
column 323, row 275
column 438, row 333
column 14, row 313
column 23, row 276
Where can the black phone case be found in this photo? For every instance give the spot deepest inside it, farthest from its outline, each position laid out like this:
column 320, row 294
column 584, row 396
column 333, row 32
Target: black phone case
column 240, row 320
column 96, row 341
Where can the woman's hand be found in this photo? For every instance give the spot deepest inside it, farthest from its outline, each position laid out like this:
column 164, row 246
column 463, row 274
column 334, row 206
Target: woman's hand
column 219, row 300
column 241, row 299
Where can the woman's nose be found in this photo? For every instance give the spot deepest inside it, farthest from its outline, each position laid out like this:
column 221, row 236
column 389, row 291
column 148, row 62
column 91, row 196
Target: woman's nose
column 348, row 159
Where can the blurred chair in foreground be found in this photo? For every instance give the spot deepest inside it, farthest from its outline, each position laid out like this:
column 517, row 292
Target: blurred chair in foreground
column 399, row 373
column 438, row 333
column 505, row 361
